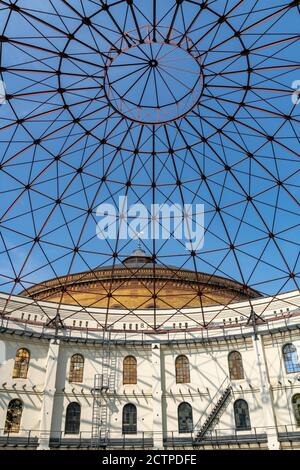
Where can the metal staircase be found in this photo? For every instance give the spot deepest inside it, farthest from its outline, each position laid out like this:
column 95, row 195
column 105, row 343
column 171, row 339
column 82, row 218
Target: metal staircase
column 219, row 402
column 104, row 387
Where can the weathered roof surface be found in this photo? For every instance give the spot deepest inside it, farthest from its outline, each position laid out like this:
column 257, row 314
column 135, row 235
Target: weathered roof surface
column 140, row 265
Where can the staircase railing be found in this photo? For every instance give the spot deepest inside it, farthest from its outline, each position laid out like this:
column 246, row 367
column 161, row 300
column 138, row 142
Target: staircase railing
column 218, row 402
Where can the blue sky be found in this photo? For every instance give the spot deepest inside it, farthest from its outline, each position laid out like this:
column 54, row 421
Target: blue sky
column 102, row 142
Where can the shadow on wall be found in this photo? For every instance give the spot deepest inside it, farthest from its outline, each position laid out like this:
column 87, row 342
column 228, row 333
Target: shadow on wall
column 3, row 357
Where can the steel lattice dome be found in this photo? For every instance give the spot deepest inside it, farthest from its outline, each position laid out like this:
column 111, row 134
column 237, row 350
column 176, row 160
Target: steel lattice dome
column 171, row 102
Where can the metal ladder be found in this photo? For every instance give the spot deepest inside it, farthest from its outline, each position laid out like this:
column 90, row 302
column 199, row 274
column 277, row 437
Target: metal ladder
column 104, row 386
column 219, row 401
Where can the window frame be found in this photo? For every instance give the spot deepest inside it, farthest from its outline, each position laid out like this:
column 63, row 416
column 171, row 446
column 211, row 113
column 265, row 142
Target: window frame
column 185, row 427
column 295, row 399
column 10, row 426
column 21, row 364
column 76, row 370
column 129, row 370
column 129, row 427
column 291, row 366
column 182, row 369
column 73, row 418
column 247, row 426
column 236, row 366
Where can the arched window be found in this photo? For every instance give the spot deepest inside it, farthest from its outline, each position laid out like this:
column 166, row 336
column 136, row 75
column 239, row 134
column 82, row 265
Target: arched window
column 182, row 368
column 242, row 416
column 21, row 364
column 185, row 418
column 129, row 370
column 76, row 369
column 129, row 423
column 291, row 359
column 13, row 416
column 72, row 424
column 235, row 365
column 296, row 407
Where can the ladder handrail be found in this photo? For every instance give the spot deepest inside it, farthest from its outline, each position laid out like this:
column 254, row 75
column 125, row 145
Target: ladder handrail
column 102, row 384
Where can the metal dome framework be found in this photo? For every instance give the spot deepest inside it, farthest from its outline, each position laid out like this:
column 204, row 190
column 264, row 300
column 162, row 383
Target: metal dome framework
column 170, row 102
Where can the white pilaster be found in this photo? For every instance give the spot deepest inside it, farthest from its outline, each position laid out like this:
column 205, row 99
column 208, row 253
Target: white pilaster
column 157, row 398
column 266, row 395
column 49, row 394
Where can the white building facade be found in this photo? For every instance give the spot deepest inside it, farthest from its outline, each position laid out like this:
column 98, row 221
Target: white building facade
column 234, row 384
